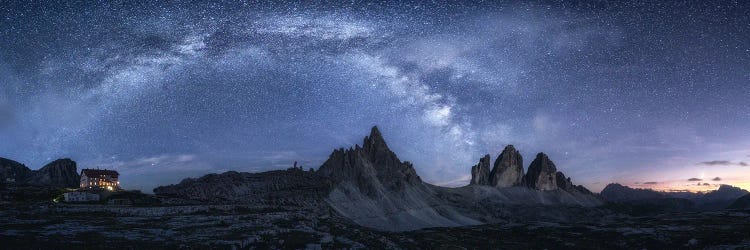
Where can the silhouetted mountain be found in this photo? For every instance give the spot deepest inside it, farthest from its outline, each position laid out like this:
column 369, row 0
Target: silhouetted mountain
column 59, row 173
column 741, row 203
column 721, row 198
column 12, row 172
column 615, row 192
column 373, row 187
column 672, row 201
column 725, row 192
column 372, row 167
column 281, row 187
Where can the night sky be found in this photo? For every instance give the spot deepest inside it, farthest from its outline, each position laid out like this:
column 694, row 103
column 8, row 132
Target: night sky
column 648, row 94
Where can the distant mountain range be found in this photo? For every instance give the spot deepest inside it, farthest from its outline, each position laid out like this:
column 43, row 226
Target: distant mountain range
column 721, row 198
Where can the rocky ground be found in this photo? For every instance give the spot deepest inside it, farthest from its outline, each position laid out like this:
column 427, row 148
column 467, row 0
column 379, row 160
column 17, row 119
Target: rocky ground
column 24, row 226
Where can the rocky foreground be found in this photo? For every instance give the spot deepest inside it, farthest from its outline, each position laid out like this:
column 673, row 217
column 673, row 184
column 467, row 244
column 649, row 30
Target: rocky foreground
column 239, row 226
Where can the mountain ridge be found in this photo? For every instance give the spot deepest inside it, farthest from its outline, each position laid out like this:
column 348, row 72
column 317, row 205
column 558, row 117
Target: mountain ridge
column 721, row 198
column 371, row 186
column 59, row 173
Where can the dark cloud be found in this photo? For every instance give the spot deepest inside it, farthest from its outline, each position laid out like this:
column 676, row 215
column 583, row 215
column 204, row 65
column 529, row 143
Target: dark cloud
column 706, row 184
column 679, row 190
column 716, row 163
column 695, row 179
column 650, row 183
column 724, row 163
column 716, row 179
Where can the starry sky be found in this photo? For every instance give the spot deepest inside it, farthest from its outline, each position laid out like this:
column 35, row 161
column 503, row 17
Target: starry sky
column 650, row 94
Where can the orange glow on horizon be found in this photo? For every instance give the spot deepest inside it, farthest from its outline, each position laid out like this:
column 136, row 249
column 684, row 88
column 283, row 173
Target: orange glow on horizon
column 694, row 187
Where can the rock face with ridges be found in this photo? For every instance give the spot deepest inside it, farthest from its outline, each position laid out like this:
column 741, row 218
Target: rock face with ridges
column 374, row 188
column 567, row 185
column 12, row 172
column 480, row 173
column 61, row 173
column 615, row 192
column 281, row 187
column 508, row 168
column 563, row 182
column 542, row 174
column 370, row 167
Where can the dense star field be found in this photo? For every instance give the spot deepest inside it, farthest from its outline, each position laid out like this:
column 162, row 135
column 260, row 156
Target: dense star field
column 648, row 94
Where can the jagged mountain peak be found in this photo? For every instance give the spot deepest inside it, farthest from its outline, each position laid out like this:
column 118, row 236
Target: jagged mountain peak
column 727, row 187
column 375, row 135
column 508, row 171
column 373, row 167
column 375, row 147
column 375, row 139
column 542, row 156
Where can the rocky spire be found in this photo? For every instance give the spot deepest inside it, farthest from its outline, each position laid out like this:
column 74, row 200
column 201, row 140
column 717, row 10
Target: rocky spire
column 567, row 185
column 480, row 173
column 563, row 183
column 377, row 150
column 542, row 174
column 371, row 167
column 508, row 168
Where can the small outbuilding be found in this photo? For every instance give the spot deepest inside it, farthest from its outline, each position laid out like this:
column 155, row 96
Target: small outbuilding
column 80, row 197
